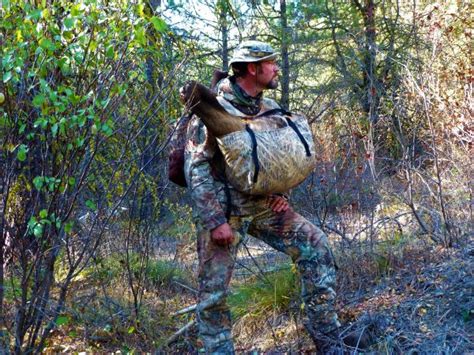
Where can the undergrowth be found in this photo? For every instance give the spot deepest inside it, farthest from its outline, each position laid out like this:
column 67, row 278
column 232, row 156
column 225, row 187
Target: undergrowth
column 99, row 318
column 266, row 293
column 155, row 272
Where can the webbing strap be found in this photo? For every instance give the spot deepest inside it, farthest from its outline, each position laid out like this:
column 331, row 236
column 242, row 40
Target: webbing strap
column 274, row 111
column 254, row 152
column 228, row 196
column 287, row 115
column 298, row 133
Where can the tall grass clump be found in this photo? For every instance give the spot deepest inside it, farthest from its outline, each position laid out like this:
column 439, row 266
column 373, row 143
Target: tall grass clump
column 269, row 292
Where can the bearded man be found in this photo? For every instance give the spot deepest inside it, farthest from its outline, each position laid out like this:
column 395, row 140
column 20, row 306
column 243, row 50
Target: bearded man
column 224, row 215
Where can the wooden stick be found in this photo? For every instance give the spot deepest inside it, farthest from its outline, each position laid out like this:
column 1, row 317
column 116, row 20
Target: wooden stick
column 175, row 336
column 193, row 290
column 209, row 302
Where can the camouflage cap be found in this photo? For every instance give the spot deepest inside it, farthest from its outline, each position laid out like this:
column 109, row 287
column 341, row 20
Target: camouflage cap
column 253, row 51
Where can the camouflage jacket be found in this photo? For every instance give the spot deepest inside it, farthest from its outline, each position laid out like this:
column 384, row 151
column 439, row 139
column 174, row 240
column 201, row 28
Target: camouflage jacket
column 204, row 165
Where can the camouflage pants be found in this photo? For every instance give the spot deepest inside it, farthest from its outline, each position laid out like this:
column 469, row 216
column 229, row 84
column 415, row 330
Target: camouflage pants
column 287, row 232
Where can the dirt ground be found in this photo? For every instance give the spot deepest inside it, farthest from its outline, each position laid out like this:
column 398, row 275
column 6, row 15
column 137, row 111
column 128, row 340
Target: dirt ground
column 424, row 307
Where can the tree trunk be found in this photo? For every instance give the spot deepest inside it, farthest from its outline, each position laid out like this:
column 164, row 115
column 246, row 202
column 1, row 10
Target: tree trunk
column 224, row 29
column 371, row 98
column 285, row 65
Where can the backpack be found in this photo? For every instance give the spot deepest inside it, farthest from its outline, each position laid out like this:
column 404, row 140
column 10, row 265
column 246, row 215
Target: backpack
column 176, row 152
column 265, row 154
column 178, row 141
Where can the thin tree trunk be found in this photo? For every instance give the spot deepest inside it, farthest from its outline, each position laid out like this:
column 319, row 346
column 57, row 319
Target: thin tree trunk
column 371, row 98
column 224, row 29
column 285, row 65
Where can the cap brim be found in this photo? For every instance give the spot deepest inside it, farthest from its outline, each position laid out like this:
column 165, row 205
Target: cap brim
column 253, row 60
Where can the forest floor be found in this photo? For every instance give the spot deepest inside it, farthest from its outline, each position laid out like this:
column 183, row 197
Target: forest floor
column 424, row 306
column 421, row 302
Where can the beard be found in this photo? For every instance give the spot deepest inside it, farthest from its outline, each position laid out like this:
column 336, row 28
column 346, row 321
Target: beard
column 273, row 84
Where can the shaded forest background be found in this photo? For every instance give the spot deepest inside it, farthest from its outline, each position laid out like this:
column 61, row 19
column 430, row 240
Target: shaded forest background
column 96, row 246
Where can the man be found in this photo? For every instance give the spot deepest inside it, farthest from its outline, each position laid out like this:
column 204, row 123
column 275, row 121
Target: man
column 223, row 215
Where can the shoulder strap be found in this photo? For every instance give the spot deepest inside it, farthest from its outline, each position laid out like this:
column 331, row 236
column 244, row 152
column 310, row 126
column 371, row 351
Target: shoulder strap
column 274, row 111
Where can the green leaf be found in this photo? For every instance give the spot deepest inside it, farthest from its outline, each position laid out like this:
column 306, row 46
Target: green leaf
column 62, row 320
column 53, row 183
column 69, row 22
column 140, row 35
column 54, row 129
column 21, row 154
column 104, row 103
column 109, row 52
column 41, row 122
column 68, row 227
column 91, row 205
column 7, row 61
column 76, row 10
column 38, row 230
column 72, row 334
column 131, row 330
column 32, row 222
column 43, row 213
column 46, row 43
column 35, row 14
column 75, row 99
column 159, row 24
column 45, row 221
column 79, row 142
column 7, row 76
column 38, row 181
column 38, row 100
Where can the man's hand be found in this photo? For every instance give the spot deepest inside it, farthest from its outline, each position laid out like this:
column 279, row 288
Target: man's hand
column 222, row 235
column 278, row 204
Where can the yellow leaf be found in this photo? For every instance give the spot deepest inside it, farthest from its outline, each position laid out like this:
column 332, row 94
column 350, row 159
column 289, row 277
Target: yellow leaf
column 19, row 36
column 45, row 14
column 140, row 8
column 421, row 311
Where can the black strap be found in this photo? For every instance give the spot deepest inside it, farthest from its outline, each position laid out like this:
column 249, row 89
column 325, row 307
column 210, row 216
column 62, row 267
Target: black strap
column 228, row 196
column 287, row 115
column 295, row 128
column 274, row 111
column 254, row 152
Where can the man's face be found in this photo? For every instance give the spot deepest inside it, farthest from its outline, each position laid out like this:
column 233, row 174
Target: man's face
column 267, row 74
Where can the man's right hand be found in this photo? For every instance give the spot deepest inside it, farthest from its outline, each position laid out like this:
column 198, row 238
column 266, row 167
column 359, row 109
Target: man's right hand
column 222, row 235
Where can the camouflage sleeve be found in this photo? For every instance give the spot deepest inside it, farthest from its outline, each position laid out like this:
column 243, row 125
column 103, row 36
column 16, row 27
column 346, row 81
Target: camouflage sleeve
column 199, row 150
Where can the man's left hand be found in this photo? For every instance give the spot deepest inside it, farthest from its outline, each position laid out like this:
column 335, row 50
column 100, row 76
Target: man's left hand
column 278, row 204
